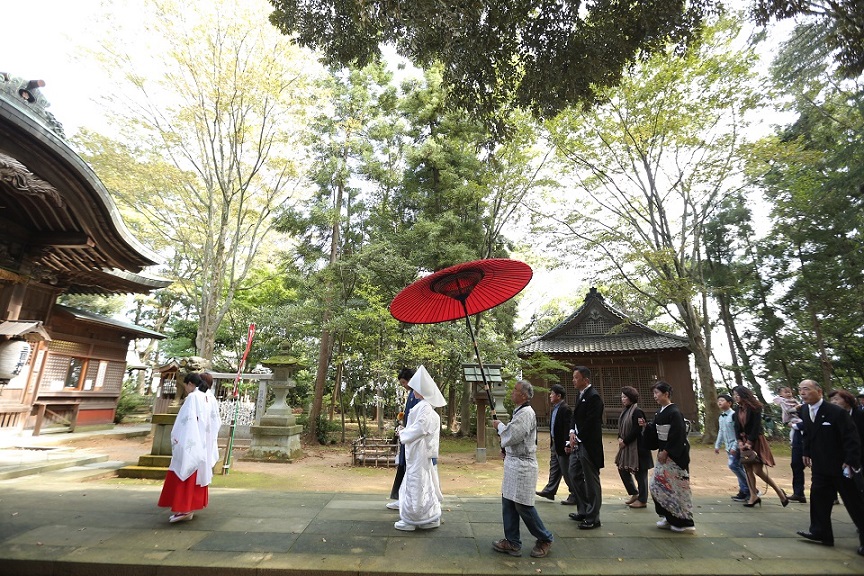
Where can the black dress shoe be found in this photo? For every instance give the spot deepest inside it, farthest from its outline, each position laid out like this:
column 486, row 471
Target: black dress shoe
column 546, row 495
column 589, row 525
column 570, row 501
column 577, row 517
column 814, row 538
column 798, row 498
column 860, row 550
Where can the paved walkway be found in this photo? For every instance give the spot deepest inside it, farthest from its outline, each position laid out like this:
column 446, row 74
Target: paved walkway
column 48, row 526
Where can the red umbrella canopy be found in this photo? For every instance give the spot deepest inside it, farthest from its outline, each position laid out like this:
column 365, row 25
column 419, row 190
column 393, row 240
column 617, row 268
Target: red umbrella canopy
column 479, row 285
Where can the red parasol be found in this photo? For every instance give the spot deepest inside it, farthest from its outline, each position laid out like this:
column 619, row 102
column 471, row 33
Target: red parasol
column 460, row 291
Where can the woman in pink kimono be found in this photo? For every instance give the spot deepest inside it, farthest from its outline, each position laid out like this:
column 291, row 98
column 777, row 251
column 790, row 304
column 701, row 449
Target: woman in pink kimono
column 420, row 494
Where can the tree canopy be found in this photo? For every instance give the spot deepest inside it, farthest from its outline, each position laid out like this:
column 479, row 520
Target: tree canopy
column 539, row 55
column 841, row 22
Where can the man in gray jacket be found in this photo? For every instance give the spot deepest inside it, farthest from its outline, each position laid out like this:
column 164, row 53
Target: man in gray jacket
column 519, row 441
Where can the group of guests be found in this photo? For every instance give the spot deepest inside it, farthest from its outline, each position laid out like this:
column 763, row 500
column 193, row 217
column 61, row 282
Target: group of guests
column 576, row 448
column 831, row 444
column 831, row 440
column 577, row 455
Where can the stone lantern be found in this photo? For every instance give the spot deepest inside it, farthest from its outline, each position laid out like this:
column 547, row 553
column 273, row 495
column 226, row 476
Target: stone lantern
column 277, row 437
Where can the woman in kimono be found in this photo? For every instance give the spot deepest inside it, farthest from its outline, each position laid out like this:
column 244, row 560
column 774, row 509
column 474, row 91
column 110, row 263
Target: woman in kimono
column 194, row 452
column 670, row 485
column 420, row 493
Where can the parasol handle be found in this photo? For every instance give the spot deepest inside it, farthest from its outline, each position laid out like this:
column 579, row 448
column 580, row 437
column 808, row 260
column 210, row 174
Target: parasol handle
column 480, row 362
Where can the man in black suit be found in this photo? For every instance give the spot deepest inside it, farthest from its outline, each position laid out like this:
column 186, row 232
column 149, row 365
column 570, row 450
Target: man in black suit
column 586, row 441
column 831, row 447
column 559, row 436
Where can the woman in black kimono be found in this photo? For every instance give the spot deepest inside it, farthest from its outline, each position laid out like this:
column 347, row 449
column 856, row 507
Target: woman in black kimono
column 670, row 486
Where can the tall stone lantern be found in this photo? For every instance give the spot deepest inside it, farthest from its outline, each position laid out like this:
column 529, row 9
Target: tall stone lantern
column 277, row 437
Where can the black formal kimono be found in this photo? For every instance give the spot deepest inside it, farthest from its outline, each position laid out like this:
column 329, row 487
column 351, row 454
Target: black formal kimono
column 670, row 485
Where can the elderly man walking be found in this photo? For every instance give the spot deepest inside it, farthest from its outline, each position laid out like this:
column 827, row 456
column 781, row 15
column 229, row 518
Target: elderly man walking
column 831, row 450
column 519, row 441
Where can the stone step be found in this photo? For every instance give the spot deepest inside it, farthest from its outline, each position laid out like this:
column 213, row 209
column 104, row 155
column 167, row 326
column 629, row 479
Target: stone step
column 27, row 469
column 154, row 461
column 147, row 472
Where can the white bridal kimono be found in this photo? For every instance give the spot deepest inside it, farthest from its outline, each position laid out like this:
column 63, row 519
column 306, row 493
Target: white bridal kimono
column 194, row 437
column 420, row 494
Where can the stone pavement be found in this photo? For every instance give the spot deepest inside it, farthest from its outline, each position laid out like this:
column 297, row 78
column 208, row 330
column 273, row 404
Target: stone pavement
column 51, row 524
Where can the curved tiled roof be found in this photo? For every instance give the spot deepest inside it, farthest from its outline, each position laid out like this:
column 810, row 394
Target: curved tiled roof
column 597, row 327
column 611, row 343
column 57, row 211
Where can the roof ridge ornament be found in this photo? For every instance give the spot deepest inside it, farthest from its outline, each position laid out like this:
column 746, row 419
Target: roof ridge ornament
column 25, row 95
column 594, row 293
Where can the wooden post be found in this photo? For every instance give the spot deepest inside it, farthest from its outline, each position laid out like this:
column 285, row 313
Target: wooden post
column 481, row 430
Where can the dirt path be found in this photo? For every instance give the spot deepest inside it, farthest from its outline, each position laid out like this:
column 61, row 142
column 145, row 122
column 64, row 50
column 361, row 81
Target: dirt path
column 328, row 469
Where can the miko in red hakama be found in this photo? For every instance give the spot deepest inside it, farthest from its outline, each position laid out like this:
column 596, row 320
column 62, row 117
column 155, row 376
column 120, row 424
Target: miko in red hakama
column 194, row 452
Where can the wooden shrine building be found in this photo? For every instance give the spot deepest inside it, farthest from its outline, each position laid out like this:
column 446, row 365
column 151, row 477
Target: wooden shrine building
column 620, row 352
column 61, row 233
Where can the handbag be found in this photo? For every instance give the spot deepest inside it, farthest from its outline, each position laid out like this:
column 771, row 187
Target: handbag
column 749, row 456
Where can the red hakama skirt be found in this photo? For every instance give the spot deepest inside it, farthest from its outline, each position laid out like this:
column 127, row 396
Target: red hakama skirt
column 182, row 495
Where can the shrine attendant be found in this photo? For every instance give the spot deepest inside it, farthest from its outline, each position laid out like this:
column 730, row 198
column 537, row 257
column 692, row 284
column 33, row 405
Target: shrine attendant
column 194, row 452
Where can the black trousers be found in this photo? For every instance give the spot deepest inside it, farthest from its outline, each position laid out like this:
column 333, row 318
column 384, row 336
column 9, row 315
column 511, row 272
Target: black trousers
column 823, row 492
column 397, row 482
column 641, row 487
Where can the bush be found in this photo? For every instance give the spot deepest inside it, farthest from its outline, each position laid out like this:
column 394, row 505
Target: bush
column 128, row 402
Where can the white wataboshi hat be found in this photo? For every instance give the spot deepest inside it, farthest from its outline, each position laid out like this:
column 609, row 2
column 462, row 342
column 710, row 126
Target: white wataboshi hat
column 422, row 382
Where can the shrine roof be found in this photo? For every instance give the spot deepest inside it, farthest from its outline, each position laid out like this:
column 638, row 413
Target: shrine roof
column 597, row 327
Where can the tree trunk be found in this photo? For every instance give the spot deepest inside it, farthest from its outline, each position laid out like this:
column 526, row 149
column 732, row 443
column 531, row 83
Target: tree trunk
column 320, row 380
column 326, row 344
column 702, row 359
column 728, row 327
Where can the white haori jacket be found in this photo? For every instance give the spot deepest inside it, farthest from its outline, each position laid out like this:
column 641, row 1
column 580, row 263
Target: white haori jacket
column 194, row 437
column 519, row 440
column 420, row 493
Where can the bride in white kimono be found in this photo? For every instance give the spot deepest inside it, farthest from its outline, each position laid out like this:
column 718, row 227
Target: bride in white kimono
column 420, row 494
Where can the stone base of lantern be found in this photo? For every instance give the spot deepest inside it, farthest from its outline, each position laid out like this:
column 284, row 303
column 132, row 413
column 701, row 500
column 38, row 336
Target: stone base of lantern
column 155, row 465
column 274, row 443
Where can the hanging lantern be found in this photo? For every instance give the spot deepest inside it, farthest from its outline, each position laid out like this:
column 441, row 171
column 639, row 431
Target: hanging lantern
column 13, row 357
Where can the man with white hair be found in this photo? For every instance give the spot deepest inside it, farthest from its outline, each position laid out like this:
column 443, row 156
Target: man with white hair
column 519, row 441
column 420, row 493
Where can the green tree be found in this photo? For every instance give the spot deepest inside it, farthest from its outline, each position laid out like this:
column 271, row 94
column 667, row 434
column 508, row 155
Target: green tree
column 542, row 56
column 651, row 165
column 730, row 274
column 330, row 223
column 815, row 241
column 212, row 140
column 811, row 174
column 838, row 23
